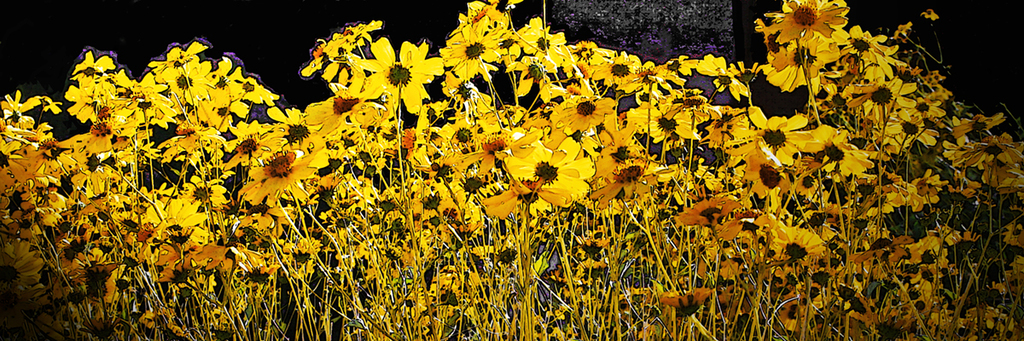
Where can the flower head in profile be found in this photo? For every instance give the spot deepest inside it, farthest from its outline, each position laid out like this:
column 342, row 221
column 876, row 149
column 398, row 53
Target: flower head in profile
column 686, row 303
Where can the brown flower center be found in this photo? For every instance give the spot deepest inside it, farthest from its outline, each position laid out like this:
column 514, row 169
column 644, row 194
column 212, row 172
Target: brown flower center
column 101, row 129
column 805, row 15
column 343, row 104
column 628, row 175
column 475, row 50
column 882, row 96
column 494, row 145
column 399, row 75
column 585, row 108
column 546, row 172
column 775, row 138
column 248, row 146
column 620, row 70
column 280, row 166
column 769, row 176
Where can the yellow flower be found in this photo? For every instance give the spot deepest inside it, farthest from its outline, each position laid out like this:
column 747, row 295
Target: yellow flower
column 339, row 110
column 533, row 70
column 765, row 173
column 726, row 76
column 471, row 49
column 405, row 75
column 687, row 304
column 250, row 143
column 799, row 18
column 19, row 264
column 562, row 175
column 622, row 72
column 631, row 178
column 875, row 59
column 708, row 212
column 797, row 243
column 583, row 113
column 837, row 151
column 795, row 64
column 880, row 100
column 283, row 171
column 780, row 136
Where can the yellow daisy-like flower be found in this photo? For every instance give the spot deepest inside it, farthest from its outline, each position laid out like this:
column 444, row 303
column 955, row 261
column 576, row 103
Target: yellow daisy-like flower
column 797, row 243
column 561, row 173
column 283, row 171
column 622, row 71
column 726, row 76
column 583, row 113
column 471, row 49
column 780, row 135
column 876, row 59
column 687, row 304
column 802, row 17
column 837, row 151
column 341, row 109
column 19, row 264
column 795, row 64
column 879, row 100
column 765, row 173
column 404, row 75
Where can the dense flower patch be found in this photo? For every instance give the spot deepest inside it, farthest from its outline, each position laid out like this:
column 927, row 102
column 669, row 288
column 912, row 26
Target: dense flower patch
column 597, row 197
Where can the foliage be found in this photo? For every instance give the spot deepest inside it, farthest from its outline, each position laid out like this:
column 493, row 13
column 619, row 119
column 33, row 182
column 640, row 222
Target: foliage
column 552, row 190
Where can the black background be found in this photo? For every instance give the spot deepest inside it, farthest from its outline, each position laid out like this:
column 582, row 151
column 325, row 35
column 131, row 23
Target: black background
column 41, row 41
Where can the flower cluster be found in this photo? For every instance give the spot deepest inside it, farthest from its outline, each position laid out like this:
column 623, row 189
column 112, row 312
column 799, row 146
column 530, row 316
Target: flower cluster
column 551, row 190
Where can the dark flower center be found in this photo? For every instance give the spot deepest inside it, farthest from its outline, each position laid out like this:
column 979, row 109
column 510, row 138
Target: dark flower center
column 495, row 145
column 805, row 15
column 463, row 135
column 542, row 43
column 795, row 251
column 585, row 108
column 882, row 96
column 343, row 104
column 535, row 72
column 399, row 75
column 769, row 176
column 546, row 172
column 182, row 82
column 475, row 50
column 667, row 124
column 834, row 153
column 628, row 175
column 619, row 70
column 910, row 128
column 259, row 209
column 775, row 138
column 861, row 45
column 709, row 214
column 280, row 166
column 8, row 274
column 296, row 133
column 248, row 146
column 101, row 129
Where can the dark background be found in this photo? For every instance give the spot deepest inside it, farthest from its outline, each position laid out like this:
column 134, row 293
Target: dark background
column 41, row 41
